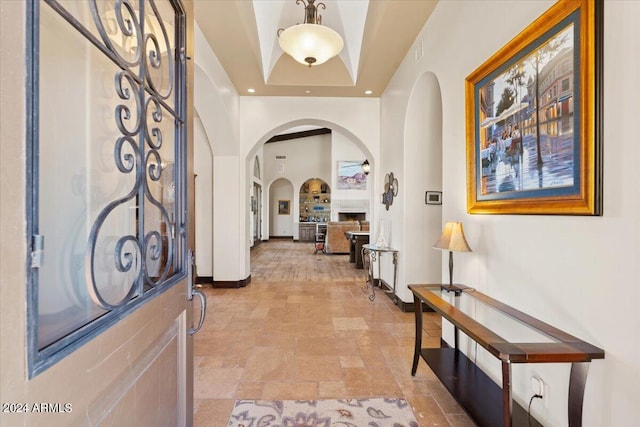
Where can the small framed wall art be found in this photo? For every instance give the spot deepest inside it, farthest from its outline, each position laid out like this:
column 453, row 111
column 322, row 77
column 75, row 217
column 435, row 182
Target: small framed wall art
column 283, row 207
column 433, row 198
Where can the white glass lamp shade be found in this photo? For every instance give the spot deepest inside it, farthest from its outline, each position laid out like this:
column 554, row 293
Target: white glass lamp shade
column 311, row 44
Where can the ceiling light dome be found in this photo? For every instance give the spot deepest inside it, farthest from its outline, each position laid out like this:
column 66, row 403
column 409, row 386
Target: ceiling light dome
column 310, row 43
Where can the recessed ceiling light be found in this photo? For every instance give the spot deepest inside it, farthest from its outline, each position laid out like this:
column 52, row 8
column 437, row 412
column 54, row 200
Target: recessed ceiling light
column 251, row 90
column 307, row 91
column 368, row 92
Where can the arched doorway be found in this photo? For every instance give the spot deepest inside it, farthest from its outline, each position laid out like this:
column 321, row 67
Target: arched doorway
column 256, row 203
column 280, row 207
column 423, row 163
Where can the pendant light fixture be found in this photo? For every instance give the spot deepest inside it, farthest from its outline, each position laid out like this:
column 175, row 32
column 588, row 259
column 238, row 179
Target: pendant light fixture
column 310, row 43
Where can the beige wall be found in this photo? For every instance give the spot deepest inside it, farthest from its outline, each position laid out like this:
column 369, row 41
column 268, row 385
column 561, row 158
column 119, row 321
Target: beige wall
column 576, row 273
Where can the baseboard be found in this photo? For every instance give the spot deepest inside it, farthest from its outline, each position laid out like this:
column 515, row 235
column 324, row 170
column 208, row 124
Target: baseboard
column 281, row 237
column 231, row 283
column 204, row 279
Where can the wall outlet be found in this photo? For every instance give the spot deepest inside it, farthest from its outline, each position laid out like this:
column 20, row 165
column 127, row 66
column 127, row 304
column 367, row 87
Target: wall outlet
column 538, row 386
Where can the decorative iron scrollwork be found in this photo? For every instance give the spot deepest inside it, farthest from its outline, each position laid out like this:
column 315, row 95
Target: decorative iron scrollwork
column 124, row 32
column 138, row 151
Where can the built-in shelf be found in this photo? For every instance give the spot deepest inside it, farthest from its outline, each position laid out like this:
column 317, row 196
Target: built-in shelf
column 315, row 201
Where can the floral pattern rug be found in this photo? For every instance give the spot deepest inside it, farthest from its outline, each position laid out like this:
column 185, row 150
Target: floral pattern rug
column 373, row 412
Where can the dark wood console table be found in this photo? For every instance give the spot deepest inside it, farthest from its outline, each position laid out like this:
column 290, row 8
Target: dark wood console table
column 526, row 340
column 356, row 240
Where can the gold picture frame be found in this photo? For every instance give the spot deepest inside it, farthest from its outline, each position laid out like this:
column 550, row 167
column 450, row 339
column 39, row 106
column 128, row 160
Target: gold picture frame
column 534, row 118
column 284, row 207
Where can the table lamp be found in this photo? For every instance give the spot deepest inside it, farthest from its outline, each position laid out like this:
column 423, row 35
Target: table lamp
column 452, row 239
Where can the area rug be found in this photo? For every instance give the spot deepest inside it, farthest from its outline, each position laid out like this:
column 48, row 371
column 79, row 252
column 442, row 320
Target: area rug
column 372, row 412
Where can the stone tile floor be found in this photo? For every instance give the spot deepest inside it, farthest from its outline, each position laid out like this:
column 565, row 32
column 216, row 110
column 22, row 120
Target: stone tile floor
column 304, row 329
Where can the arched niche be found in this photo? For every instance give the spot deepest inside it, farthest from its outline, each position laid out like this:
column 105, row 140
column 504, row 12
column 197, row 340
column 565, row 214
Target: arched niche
column 315, row 201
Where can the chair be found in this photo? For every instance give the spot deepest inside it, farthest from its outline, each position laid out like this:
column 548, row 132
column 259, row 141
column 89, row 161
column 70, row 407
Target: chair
column 321, row 234
column 335, row 241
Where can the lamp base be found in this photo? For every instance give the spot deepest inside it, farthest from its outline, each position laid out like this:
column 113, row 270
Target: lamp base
column 452, row 288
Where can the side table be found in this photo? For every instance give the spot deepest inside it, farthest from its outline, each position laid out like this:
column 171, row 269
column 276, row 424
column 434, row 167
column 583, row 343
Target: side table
column 373, row 253
column 356, row 240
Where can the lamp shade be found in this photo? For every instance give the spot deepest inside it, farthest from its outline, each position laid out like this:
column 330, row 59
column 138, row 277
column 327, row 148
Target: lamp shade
column 452, row 238
column 311, row 44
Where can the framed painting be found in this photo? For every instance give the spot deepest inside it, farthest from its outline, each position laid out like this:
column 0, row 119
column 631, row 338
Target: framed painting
column 534, row 118
column 351, row 176
column 433, row 198
column 283, row 207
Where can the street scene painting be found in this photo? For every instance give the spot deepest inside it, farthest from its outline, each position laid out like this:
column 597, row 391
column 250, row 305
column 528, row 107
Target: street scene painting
column 526, row 134
column 351, row 176
column 524, row 107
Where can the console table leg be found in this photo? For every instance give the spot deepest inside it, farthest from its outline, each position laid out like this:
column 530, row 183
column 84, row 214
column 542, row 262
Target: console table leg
column 506, row 394
column 577, row 381
column 417, row 306
column 456, row 338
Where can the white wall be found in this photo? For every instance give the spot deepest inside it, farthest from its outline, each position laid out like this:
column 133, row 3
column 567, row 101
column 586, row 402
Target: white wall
column 203, row 168
column 226, row 200
column 217, row 104
column 577, row 273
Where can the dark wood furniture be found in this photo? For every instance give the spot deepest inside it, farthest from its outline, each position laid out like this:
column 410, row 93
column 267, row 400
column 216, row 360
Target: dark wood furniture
column 356, row 240
column 526, row 340
column 307, row 231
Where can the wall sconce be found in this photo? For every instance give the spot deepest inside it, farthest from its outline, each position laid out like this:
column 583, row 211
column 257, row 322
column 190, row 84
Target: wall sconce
column 366, row 167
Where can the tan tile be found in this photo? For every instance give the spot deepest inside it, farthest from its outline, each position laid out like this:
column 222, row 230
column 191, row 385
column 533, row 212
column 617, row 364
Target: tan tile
column 372, row 357
column 249, row 390
column 212, row 412
column 417, row 386
column 273, row 339
column 445, row 400
column 325, row 346
column 427, row 411
column 211, row 382
column 303, row 329
column 300, row 299
column 212, row 347
column 460, row 420
column 260, row 313
column 431, row 342
column 307, row 390
column 332, row 390
column 351, row 362
column 370, row 382
column 269, row 364
column 318, row 368
column 376, row 338
column 349, row 323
